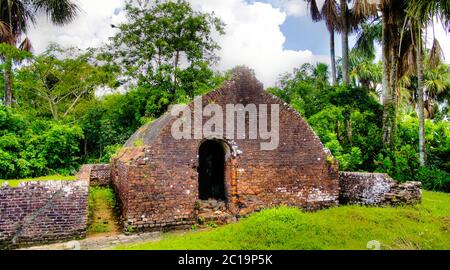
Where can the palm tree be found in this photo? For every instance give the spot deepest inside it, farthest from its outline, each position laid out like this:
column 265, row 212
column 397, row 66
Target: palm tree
column 395, row 55
column 436, row 84
column 364, row 72
column 361, row 58
column 15, row 18
column 420, row 14
column 401, row 42
column 338, row 18
column 328, row 13
column 345, row 25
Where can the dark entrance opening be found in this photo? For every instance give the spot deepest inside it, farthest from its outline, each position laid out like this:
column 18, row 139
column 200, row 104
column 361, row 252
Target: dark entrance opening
column 211, row 171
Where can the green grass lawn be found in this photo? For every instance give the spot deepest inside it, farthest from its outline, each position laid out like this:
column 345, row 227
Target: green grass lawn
column 102, row 203
column 15, row 183
column 426, row 226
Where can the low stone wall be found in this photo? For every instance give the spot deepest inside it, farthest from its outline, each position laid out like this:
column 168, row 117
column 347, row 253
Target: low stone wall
column 98, row 174
column 42, row 212
column 406, row 193
column 376, row 189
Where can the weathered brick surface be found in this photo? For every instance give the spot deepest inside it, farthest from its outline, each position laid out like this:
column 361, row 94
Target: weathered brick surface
column 42, row 212
column 377, row 189
column 158, row 182
column 98, row 174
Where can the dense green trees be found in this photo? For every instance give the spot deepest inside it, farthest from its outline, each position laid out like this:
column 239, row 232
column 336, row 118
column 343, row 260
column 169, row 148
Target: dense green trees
column 166, row 45
column 74, row 107
column 77, row 106
column 58, row 79
column 420, row 14
column 32, row 147
column 349, row 122
column 16, row 16
column 400, row 28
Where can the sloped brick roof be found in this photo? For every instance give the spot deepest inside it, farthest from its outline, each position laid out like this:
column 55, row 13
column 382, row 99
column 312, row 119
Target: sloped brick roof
column 146, row 134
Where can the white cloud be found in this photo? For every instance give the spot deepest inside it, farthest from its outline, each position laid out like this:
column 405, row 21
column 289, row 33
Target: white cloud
column 91, row 28
column 254, row 38
column 291, row 7
column 295, row 7
column 253, row 35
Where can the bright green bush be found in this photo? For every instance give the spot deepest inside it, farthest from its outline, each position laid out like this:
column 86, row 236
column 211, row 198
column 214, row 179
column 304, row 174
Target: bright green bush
column 109, row 152
column 30, row 148
column 434, row 179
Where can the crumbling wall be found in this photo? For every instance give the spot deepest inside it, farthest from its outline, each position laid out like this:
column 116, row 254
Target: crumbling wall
column 41, row 212
column 376, row 189
column 98, row 174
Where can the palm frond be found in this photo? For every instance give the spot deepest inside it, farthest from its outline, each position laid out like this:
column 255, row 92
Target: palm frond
column 58, row 11
column 17, row 14
column 364, row 8
column 314, row 10
column 369, row 34
column 436, row 54
column 427, row 10
column 26, row 45
column 407, row 56
column 331, row 16
column 5, row 33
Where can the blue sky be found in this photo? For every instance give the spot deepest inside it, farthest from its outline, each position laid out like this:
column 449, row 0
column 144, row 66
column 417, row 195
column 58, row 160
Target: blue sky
column 303, row 34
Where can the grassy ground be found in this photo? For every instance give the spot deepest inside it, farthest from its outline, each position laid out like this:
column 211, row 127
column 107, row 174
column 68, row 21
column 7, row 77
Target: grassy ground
column 15, row 183
column 426, row 226
column 102, row 204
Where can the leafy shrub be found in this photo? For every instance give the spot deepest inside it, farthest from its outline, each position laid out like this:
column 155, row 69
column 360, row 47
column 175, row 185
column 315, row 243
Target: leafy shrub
column 60, row 146
column 401, row 164
column 434, row 179
column 31, row 148
column 109, row 152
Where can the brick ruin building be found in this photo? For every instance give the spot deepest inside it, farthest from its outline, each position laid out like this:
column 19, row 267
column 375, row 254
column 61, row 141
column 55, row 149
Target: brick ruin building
column 164, row 182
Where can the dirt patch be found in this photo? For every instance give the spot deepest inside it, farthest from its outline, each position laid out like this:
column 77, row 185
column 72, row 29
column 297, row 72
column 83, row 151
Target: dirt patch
column 102, row 242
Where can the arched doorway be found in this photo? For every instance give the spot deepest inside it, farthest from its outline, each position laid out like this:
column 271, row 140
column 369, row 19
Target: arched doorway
column 211, row 171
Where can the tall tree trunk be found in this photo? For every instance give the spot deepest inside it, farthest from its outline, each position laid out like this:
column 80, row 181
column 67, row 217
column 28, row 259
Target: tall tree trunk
column 420, row 102
column 175, row 79
column 391, row 105
column 85, row 148
column 8, row 82
column 348, row 127
column 53, row 108
column 333, row 58
column 344, row 15
column 389, row 82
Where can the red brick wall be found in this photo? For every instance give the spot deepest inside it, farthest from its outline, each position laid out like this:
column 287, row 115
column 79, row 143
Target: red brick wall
column 158, row 183
column 42, row 212
column 98, row 174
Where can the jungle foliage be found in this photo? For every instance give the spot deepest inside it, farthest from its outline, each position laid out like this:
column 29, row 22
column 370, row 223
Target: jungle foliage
column 348, row 120
column 71, row 107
